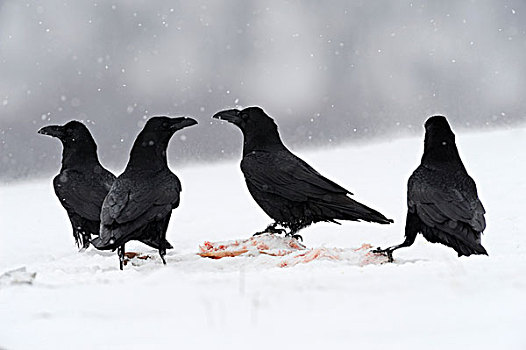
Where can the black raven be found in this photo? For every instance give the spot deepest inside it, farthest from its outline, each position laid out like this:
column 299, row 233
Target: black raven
column 82, row 183
column 442, row 200
column 140, row 202
column 289, row 190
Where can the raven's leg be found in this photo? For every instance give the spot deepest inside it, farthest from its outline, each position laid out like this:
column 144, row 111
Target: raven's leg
column 271, row 229
column 162, row 253
column 120, row 253
column 412, row 227
column 162, row 237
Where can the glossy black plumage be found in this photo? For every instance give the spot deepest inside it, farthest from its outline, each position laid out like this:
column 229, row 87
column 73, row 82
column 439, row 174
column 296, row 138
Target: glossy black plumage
column 140, row 202
column 442, row 199
column 82, row 183
column 289, row 190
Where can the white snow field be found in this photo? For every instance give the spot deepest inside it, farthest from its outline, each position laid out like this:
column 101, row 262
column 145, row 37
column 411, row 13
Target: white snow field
column 428, row 299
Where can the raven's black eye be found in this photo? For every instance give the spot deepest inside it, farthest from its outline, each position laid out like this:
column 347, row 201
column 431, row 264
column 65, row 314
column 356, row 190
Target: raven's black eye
column 165, row 125
column 244, row 116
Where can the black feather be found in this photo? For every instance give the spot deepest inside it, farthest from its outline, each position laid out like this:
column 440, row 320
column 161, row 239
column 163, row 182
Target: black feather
column 442, row 199
column 140, row 202
column 289, row 190
column 83, row 182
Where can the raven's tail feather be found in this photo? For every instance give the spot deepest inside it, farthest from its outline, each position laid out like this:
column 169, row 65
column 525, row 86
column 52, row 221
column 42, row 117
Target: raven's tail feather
column 157, row 243
column 346, row 208
column 468, row 243
column 112, row 237
column 152, row 233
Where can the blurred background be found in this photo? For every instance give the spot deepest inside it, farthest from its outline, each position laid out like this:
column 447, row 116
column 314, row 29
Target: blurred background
column 328, row 72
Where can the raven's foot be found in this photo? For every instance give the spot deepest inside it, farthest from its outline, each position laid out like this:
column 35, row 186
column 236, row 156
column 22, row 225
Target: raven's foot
column 271, row 229
column 82, row 240
column 294, row 235
column 162, row 253
column 388, row 252
column 85, row 243
column 87, row 240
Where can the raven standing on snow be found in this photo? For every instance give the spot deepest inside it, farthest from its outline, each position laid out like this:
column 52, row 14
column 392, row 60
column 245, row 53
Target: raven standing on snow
column 442, row 200
column 82, row 183
column 289, row 190
column 140, row 202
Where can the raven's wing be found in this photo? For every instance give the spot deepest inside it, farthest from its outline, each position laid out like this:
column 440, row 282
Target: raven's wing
column 82, row 193
column 441, row 200
column 284, row 174
column 141, row 199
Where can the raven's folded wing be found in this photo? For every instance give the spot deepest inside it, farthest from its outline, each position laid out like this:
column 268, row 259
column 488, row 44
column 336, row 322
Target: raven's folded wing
column 82, row 194
column 284, row 174
column 444, row 206
column 144, row 198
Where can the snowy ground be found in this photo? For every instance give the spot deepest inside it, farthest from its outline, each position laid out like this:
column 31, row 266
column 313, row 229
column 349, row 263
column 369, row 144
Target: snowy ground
column 428, row 299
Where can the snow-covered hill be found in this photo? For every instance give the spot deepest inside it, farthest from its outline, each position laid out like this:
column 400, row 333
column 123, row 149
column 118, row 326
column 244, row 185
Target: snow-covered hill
column 428, row 298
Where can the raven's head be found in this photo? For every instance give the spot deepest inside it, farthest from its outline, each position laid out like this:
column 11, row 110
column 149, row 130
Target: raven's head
column 259, row 130
column 439, row 141
column 166, row 126
column 437, row 123
column 438, row 131
column 155, row 136
column 71, row 133
column 247, row 119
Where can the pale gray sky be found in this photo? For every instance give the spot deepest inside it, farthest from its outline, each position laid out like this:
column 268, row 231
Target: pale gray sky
column 326, row 71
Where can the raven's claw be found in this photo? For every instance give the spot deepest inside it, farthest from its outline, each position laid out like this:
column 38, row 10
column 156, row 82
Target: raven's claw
column 386, row 252
column 298, row 237
column 270, row 229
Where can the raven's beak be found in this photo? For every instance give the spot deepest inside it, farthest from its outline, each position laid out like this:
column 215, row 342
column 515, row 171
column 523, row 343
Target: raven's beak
column 182, row 122
column 52, row 130
column 230, row 115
